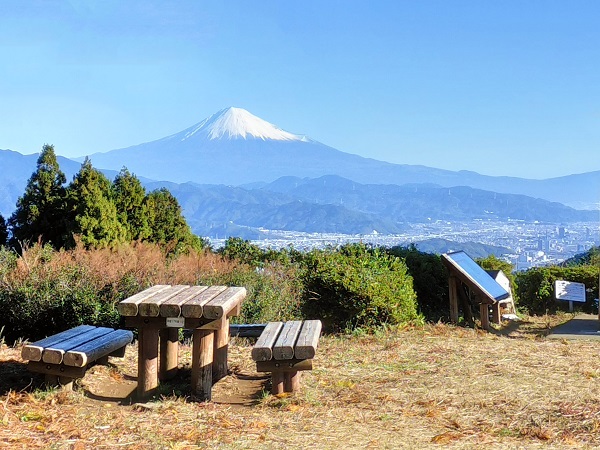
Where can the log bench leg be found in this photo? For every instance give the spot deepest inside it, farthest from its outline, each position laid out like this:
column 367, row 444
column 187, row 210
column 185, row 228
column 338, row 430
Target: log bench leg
column 277, row 383
column 147, row 362
column 221, row 347
column 66, row 383
column 291, row 381
column 285, row 382
column 169, row 352
column 202, row 363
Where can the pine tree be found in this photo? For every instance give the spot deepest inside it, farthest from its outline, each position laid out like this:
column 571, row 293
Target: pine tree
column 3, row 231
column 40, row 214
column 93, row 208
column 129, row 196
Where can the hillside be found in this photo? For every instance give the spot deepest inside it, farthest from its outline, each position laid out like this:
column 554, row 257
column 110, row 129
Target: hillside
column 475, row 250
column 328, row 204
column 337, row 205
column 399, row 389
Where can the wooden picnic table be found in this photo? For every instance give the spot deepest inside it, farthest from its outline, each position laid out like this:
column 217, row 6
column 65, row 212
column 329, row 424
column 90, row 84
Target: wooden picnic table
column 160, row 311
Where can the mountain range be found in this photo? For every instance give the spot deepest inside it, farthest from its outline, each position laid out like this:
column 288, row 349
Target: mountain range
column 236, row 174
column 234, row 147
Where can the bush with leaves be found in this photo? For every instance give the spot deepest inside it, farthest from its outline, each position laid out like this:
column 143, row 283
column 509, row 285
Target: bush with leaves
column 535, row 287
column 38, row 298
column 430, row 281
column 357, row 287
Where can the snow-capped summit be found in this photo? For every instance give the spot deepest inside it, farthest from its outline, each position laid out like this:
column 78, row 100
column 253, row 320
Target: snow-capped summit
column 236, row 123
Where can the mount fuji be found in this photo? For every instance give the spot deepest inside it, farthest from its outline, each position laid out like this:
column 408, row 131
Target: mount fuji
column 234, row 147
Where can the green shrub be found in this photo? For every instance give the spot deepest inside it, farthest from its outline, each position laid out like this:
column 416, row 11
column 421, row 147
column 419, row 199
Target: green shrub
column 430, row 281
column 357, row 287
column 535, row 287
column 273, row 292
column 43, row 305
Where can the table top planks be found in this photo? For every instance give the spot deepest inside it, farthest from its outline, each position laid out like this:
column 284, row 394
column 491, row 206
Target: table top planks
column 189, row 302
column 129, row 306
column 172, row 306
column 194, row 308
column 224, row 302
column 151, row 306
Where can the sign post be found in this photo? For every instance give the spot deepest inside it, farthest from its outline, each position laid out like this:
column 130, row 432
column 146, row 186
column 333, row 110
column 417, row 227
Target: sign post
column 569, row 291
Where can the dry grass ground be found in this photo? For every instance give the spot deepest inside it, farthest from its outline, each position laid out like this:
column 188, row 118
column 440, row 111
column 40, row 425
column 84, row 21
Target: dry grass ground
column 436, row 386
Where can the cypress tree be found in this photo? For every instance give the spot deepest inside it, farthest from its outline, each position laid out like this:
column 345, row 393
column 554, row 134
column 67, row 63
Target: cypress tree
column 93, row 208
column 164, row 215
column 40, row 214
column 3, row 231
column 129, row 196
column 168, row 227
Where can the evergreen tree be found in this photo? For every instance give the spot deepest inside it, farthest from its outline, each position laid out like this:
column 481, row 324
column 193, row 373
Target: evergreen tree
column 3, row 231
column 40, row 213
column 167, row 224
column 129, row 196
column 93, row 208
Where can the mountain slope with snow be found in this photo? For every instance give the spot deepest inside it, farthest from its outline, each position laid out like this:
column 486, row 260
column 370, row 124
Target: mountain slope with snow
column 237, row 123
column 234, row 147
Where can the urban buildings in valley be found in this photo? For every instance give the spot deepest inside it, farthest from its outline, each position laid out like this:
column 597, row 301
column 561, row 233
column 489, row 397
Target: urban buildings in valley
column 530, row 244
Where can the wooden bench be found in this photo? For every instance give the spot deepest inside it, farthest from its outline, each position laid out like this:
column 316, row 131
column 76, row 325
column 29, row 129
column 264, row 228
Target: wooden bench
column 286, row 349
column 66, row 356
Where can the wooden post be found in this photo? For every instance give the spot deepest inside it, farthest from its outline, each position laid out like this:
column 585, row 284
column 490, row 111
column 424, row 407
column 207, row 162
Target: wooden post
column 278, row 383
column 496, row 316
column 66, row 383
column 485, row 316
column 169, row 352
column 465, row 296
column 291, row 381
column 453, row 295
column 220, row 351
column 147, row 361
column 202, row 362
column 51, row 380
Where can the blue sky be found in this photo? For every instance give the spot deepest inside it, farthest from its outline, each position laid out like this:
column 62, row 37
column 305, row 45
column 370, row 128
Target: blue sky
column 501, row 88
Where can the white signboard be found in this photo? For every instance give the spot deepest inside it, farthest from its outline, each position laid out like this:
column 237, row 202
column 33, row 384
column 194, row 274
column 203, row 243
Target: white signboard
column 569, row 291
column 175, row 322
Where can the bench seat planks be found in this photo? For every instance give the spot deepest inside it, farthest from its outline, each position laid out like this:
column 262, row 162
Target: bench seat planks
column 66, row 356
column 33, row 352
column 285, row 350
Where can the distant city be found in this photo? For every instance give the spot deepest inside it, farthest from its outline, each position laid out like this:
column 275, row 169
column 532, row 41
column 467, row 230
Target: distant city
column 532, row 244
